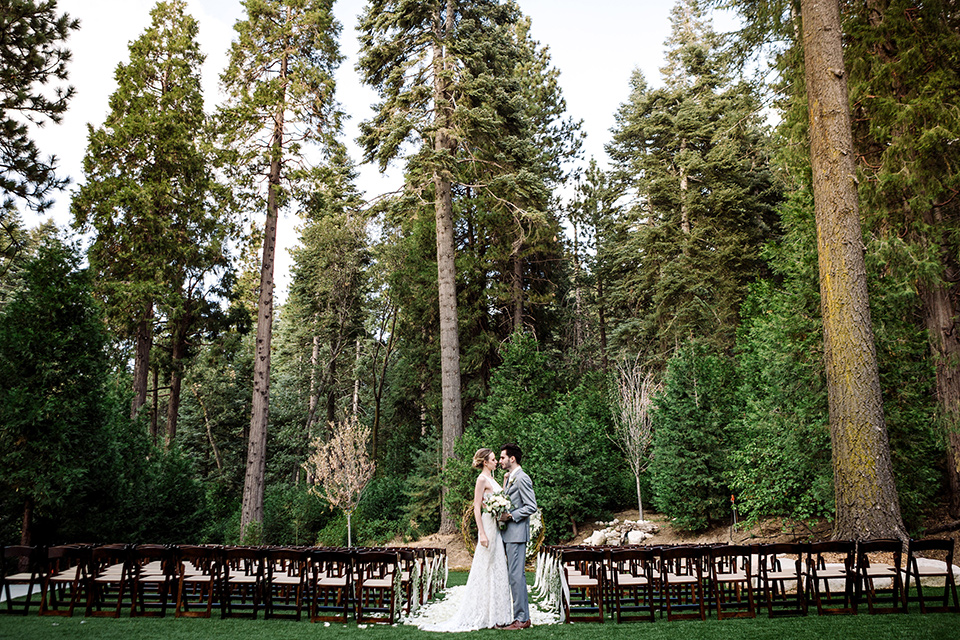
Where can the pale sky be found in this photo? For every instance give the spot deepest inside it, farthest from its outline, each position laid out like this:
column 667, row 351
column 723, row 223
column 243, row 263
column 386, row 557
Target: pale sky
column 595, row 45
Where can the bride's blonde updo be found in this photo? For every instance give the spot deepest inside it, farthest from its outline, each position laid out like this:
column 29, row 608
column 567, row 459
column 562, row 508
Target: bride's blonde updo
column 480, row 457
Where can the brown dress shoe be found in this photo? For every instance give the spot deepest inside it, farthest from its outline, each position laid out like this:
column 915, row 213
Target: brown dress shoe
column 518, row 625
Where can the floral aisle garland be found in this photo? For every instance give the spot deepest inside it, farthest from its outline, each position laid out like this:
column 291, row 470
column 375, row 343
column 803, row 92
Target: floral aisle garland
column 415, row 585
column 397, row 593
column 536, row 534
column 549, row 586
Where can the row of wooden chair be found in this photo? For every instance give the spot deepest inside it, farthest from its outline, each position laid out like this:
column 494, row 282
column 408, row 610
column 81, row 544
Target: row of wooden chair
column 636, row 583
column 372, row 583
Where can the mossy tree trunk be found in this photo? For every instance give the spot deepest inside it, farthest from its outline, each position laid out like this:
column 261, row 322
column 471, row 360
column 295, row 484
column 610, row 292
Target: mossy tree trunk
column 867, row 505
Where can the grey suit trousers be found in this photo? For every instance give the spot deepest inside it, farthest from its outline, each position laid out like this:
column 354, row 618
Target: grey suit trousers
column 516, row 558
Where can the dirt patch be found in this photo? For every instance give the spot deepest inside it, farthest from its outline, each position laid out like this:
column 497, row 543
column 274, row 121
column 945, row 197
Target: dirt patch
column 458, row 557
column 768, row 531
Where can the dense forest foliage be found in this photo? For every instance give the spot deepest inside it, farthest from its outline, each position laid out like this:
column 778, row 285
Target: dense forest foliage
column 127, row 362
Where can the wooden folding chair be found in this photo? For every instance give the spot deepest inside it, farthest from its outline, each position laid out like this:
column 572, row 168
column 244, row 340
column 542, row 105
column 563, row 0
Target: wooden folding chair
column 829, row 563
column 584, row 575
column 781, row 578
column 731, row 579
column 330, row 585
column 919, row 571
column 66, row 581
column 632, row 577
column 682, row 581
column 109, row 580
column 378, row 577
column 198, row 580
column 21, row 565
column 153, row 576
column 284, row 583
column 242, row 582
column 877, row 562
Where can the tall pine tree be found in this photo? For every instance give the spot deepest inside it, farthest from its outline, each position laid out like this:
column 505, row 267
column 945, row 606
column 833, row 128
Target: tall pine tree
column 450, row 76
column 904, row 80
column 692, row 157
column 281, row 97
column 151, row 197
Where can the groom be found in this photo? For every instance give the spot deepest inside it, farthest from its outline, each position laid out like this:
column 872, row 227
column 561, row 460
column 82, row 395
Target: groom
column 519, row 488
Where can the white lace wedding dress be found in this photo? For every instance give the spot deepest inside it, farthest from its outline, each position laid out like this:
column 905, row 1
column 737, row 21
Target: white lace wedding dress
column 484, row 601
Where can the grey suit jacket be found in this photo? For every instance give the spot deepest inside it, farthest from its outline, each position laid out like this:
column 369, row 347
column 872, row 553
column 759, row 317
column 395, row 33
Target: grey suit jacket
column 520, row 491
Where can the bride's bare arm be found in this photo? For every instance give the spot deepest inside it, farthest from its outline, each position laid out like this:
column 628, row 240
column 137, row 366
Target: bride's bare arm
column 477, row 504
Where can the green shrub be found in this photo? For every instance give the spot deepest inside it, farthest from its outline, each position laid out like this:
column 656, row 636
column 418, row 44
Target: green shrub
column 691, row 422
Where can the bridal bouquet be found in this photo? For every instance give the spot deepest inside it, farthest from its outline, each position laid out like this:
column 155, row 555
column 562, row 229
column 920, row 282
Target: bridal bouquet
column 497, row 504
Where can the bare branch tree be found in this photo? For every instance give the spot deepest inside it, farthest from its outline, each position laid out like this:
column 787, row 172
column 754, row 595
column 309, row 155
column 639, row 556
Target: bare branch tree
column 341, row 467
column 633, row 432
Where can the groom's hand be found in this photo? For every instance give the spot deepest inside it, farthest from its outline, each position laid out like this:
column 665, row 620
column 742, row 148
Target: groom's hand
column 506, row 517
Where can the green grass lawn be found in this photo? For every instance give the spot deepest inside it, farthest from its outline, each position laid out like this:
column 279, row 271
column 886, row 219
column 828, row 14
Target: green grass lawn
column 860, row 627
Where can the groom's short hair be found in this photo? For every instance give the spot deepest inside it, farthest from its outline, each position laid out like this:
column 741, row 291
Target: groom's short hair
column 513, row 451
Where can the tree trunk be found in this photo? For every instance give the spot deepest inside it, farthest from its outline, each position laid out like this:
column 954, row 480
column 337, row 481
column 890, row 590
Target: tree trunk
column 141, row 360
column 312, row 405
column 446, row 253
column 517, row 285
column 639, row 498
column 331, row 386
column 26, row 528
column 177, row 356
column 378, row 384
column 866, row 497
column 206, row 421
column 578, row 321
column 355, row 405
column 684, row 199
column 252, row 509
column 939, row 307
column 602, row 322
column 155, row 405
column 939, row 318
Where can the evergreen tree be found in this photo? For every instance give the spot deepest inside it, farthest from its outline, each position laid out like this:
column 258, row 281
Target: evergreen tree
column 327, row 292
column 281, row 96
column 692, row 157
column 692, row 437
column 593, row 214
column 53, row 374
column 452, row 79
column 31, row 56
column 151, row 198
column 903, row 82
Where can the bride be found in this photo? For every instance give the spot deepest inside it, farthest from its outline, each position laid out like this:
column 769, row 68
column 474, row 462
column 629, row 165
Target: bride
column 485, row 600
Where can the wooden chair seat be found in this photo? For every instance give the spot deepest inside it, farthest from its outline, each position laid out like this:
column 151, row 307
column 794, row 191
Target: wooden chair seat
column 329, row 585
column 630, row 580
column 13, row 560
column 683, row 582
column 375, row 586
column 781, row 578
column 921, row 570
column 583, row 572
column 737, row 576
column 732, row 581
column 198, row 571
column 881, row 583
column 632, row 590
column 681, row 578
column 828, row 584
